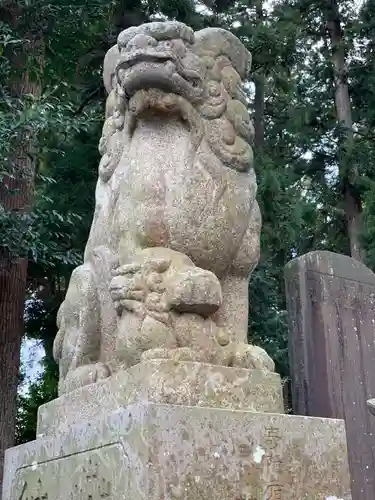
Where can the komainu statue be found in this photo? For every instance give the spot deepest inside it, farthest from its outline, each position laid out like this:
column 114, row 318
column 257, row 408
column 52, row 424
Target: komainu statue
column 175, row 234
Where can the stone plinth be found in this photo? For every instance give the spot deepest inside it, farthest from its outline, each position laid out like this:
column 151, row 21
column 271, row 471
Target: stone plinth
column 159, row 452
column 167, row 382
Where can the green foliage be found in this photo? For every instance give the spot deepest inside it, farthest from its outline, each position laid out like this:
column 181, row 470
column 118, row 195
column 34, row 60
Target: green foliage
column 41, row 390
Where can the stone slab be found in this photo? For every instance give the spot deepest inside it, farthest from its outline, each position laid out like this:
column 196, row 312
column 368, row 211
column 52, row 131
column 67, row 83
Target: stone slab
column 165, row 381
column 164, row 452
column 331, row 306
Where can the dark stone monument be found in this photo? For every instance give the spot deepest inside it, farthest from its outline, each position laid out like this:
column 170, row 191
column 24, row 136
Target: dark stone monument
column 331, row 306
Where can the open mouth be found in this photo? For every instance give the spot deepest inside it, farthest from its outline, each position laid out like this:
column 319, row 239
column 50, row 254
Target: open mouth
column 159, row 69
column 140, row 56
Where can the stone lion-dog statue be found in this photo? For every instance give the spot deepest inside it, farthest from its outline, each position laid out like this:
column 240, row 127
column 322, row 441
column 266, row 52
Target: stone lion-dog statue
column 176, row 230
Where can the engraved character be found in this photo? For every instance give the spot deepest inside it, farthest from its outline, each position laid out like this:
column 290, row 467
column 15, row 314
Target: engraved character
column 274, row 492
column 272, row 436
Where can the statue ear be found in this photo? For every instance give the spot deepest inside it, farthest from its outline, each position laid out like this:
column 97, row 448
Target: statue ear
column 109, row 65
column 215, row 42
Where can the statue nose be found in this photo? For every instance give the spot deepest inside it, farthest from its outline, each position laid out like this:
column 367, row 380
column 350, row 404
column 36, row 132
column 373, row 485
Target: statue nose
column 141, row 42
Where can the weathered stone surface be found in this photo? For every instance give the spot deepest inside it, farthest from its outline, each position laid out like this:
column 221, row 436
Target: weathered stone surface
column 165, row 381
column 175, row 234
column 331, row 304
column 184, row 453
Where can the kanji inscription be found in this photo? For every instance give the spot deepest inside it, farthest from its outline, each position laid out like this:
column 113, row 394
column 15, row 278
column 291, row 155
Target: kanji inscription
column 93, row 475
column 274, row 462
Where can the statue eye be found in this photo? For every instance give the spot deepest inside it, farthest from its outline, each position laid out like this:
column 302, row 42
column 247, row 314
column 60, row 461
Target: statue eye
column 168, row 44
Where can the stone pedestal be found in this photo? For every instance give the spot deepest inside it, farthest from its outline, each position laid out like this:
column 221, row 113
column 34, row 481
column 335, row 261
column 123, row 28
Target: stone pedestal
column 166, row 382
column 125, row 447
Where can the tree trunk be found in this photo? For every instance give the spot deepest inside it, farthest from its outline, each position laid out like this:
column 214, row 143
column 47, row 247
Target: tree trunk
column 348, row 173
column 259, row 81
column 259, row 113
column 12, row 291
column 15, row 195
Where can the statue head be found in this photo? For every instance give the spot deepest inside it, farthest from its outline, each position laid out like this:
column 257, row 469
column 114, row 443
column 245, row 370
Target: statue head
column 169, row 56
column 166, row 68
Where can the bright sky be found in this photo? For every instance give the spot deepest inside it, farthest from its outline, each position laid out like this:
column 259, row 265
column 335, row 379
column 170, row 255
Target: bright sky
column 31, row 355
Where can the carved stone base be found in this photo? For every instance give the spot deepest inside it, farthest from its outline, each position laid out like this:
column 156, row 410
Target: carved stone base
column 167, row 382
column 164, row 452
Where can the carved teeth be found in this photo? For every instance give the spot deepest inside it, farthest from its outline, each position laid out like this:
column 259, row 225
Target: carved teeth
column 132, row 58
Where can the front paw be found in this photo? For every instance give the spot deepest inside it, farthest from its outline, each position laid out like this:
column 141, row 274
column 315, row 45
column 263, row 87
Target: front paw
column 126, row 284
column 194, row 290
column 138, row 286
column 85, row 375
column 252, row 357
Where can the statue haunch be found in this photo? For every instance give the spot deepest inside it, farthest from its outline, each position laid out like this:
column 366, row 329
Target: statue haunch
column 175, row 234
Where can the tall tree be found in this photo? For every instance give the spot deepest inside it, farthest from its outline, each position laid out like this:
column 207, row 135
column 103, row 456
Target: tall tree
column 347, row 169
column 362, row 91
column 259, row 81
column 16, row 191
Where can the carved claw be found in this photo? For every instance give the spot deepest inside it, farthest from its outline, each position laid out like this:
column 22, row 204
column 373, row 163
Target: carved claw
column 127, row 288
column 133, row 283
